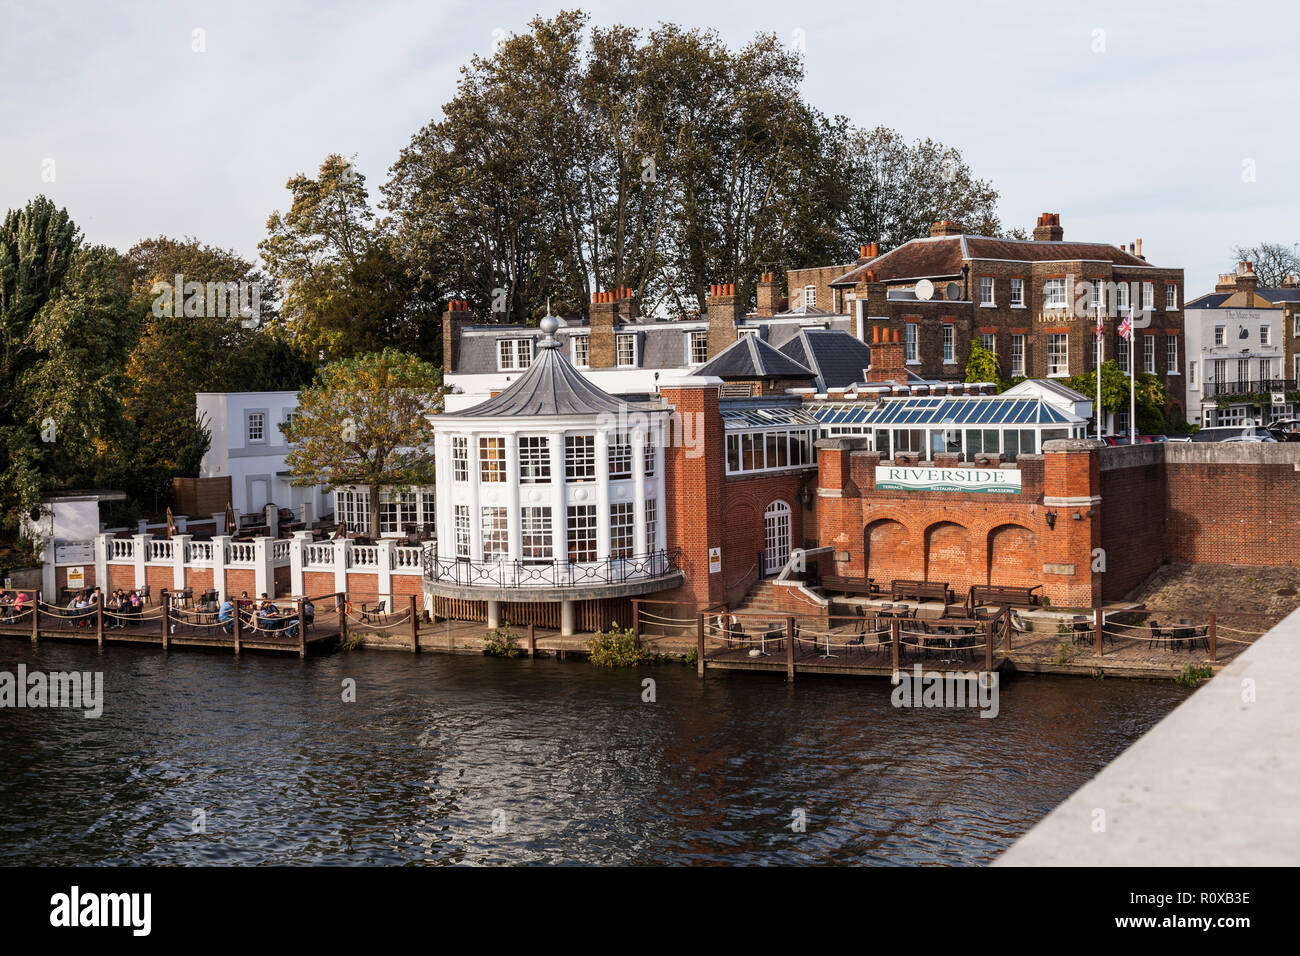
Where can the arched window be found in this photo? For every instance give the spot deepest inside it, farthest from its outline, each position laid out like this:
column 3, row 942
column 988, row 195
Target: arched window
column 776, row 537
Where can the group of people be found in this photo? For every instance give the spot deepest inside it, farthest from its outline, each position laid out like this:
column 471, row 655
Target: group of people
column 14, row 605
column 263, row 614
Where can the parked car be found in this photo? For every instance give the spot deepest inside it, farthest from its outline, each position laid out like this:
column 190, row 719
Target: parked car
column 1224, row 432
column 1285, row 429
column 1249, row 438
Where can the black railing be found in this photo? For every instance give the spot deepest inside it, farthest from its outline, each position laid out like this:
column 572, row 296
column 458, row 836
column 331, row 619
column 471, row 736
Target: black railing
column 550, row 574
column 1256, row 386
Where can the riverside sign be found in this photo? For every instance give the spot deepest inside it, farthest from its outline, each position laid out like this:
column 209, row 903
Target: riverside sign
column 1005, row 481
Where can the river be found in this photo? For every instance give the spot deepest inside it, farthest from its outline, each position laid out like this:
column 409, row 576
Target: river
column 202, row 758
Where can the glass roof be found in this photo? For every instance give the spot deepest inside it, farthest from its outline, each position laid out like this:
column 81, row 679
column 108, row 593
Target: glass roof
column 984, row 410
column 736, row 419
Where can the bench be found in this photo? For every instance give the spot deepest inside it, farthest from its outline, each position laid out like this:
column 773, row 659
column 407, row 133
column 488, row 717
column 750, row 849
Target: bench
column 920, row 591
column 863, row 586
column 1003, row 595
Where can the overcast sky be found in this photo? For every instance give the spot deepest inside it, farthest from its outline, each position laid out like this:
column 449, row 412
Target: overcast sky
column 1175, row 123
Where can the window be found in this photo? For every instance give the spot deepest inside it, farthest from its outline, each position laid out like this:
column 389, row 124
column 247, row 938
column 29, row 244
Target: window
column 1054, row 294
column 1017, row 355
column 620, row 455
column 741, row 333
column 1149, row 353
column 353, row 508
column 514, row 354
column 986, row 290
column 461, row 530
column 649, row 453
column 1148, row 296
column 651, row 524
column 765, row 451
column 1243, row 370
column 1017, row 293
column 1265, row 370
column 534, row 459
column 459, row 458
column 911, row 342
column 396, row 511
column 1171, row 296
column 988, row 341
column 622, row 542
column 496, row 534
column 1171, row 354
column 579, row 457
column 535, row 542
column 1219, row 334
column 810, row 296
column 582, row 532
column 428, row 507
column 1265, row 334
column 1220, row 370
column 1096, row 295
column 1058, row 354
column 257, row 426
column 1121, row 296
column 1121, row 353
column 1295, row 363
column 1121, row 421
column 699, row 347
column 625, row 345
column 492, row 460
column 582, row 351
column 949, row 344
column 1191, row 373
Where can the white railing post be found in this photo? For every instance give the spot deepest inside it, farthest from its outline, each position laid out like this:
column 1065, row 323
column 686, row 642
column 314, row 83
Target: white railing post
column 272, row 515
column 263, row 567
column 218, row 524
column 220, row 543
column 308, row 513
column 384, row 575
column 297, row 561
column 180, row 553
column 49, row 579
column 341, row 564
column 140, row 554
column 102, row 543
column 182, row 522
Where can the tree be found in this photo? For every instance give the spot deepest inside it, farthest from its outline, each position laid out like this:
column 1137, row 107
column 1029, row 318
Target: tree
column 1149, row 391
column 983, row 366
column 345, row 283
column 1274, row 262
column 366, row 421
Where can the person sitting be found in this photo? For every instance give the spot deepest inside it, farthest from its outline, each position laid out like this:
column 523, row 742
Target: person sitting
column 267, row 619
column 308, row 611
column 84, row 606
column 20, row 605
column 7, row 604
column 226, row 616
column 135, row 603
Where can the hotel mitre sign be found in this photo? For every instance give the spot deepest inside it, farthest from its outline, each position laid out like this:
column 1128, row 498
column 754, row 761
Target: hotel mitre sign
column 1004, row 481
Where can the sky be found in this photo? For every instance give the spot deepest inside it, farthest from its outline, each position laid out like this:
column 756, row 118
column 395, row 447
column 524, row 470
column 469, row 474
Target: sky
column 1175, row 123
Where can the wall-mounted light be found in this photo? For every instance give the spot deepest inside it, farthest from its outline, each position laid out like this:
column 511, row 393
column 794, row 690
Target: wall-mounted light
column 1051, row 520
column 1077, row 516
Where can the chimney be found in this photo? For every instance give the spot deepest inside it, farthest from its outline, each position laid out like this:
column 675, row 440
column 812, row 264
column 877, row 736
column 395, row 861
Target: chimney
column 886, row 356
column 1291, row 281
column 946, row 227
column 1227, row 282
column 724, row 310
column 872, row 249
column 1247, row 282
column 1049, row 228
column 454, row 321
column 1137, row 249
column 608, row 311
column 767, row 294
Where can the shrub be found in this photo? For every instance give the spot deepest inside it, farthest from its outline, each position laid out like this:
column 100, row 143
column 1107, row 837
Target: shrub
column 1064, row 653
column 500, row 642
column 1193, row 675
column 617, row 648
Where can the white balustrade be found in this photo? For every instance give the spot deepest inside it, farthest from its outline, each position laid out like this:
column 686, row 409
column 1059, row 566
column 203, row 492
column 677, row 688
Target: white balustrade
column 364, row 555
column 318, row 557
column 241, row 553
column 161, row 551
column 408, row 558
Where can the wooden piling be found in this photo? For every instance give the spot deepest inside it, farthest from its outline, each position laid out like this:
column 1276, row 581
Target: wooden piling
column 789, row 650
column 166, row 620
column 415, row 628
column 239, row 627
column 532, row 641
column 988, row 645
column 99, row 621
column 1214, row 639
column 636, row 622
column 341, row 606
column 1100, row 623
column 894, row 632
column 699, row 646
column 36, row 616
column 302, row 632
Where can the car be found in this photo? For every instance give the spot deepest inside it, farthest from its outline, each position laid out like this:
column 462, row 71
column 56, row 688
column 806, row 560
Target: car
column 1248, row 438
column 1223, row 432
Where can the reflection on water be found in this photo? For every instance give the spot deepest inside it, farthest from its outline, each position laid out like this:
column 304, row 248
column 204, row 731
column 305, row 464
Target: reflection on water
column 463, row 759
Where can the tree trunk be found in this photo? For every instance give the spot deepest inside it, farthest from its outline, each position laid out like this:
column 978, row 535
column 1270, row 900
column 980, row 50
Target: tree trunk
column 374, row 510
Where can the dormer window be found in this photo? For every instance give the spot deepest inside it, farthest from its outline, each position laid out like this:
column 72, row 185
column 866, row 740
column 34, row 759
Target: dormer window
column 625, row 344
column 514, row 355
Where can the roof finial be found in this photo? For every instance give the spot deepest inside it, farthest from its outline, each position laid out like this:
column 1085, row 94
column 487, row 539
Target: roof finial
column 548, row 325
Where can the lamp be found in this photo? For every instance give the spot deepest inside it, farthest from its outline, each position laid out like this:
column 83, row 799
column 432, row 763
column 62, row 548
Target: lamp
column 1051, row 520
column 1077, row 516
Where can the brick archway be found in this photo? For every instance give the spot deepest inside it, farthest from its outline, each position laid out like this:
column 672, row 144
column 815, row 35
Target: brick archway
column 947, row 552
column 887, row 551
column 1012, row 556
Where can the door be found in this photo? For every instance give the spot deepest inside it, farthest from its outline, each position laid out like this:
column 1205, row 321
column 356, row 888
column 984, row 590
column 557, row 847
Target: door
column 776, row 523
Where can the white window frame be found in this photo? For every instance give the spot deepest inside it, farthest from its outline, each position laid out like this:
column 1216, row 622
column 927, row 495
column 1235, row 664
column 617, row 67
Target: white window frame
column 1058, row 342
column 1054, row 294
column 911, row 343
column 1121, row 296
column 255, row 421
column 1017, row 354
column 949, row 344
column 1171, row 297
column 494, row 527
column 1265, row 333
column 534, row 464
column 651, row 524
column 987, row 299
column 1171, row 355
column 1191, row 374
column 580, row 349
column 461, row 530
column 697, row 347
column 581, row 524
column 491, row 469
column 619, row 340
column 514, row 354
column 619, row 455
column 810, row 297
column 1017, row 293
column 1148, row 296
column 1149, row 354
column 622, row 529
column 536, row 542
column 459, row 458
column 1220, row 335
column 989, row 342
column 580, row 458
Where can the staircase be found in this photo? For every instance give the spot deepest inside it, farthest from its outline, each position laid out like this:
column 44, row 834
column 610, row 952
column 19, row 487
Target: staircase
column 761, row 599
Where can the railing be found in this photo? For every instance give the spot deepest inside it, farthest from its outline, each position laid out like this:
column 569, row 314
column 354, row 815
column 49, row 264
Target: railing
column 201, row 552
column 408, row 557
column 318, row 556
column 521, row 574
column 159, row 551
column 121, row 549
column 364, row 556
column 1250, row 387
column 241, row 553
column 280, row 552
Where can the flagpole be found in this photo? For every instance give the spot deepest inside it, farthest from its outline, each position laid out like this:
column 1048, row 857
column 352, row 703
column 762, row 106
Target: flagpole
column 1099, row 351
column 1132, row 379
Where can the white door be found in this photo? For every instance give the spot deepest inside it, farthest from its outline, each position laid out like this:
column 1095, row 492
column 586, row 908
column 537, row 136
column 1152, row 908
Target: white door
column 776, row 522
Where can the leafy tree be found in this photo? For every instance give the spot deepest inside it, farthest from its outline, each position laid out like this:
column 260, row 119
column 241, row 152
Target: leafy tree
column 345, row 282
column 983, row 366
column 1149, row 391
column 366, row 421
column 1274, row 262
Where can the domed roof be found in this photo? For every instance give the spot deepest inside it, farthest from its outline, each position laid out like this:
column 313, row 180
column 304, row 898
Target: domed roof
column 551, row 386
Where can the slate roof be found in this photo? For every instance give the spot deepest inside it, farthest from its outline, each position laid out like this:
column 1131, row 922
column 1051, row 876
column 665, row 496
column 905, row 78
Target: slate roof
column 1214, row 300
column 750, row 357
column 550, row 386
column 838, row 358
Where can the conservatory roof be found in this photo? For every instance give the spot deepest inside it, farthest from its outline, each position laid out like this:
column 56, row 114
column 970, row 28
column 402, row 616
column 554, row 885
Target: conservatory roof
column 982, row 411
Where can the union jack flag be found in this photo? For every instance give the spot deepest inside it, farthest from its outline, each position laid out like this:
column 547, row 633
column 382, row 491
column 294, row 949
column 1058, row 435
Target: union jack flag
column 1101, row 329
column 1126, row 327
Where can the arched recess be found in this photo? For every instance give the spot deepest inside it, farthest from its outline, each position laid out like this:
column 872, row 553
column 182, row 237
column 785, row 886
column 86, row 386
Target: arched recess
column 1013, row 556
column 947, row 552
column 887, row 551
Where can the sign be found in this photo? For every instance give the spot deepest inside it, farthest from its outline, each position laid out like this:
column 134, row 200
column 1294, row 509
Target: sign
column 74, row 552
column 1279, row 398
column 1004, row 481
column 715, row 560
column 76, row 577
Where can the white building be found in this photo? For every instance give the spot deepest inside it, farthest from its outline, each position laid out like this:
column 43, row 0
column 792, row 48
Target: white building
column 247, row 445
column 1236, row 338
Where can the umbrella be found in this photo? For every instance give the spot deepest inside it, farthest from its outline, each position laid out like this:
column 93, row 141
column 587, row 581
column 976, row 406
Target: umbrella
column 230, row 519
column 171, row 523
column 341, row 531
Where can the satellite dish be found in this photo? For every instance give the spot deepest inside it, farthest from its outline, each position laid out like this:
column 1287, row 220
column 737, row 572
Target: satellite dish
column 925, row 290
column 953, row 292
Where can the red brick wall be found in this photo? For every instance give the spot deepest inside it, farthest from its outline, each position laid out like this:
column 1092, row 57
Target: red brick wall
column 121, row 576
column 1133, row 520
column 1233, row 514
column 239, row 580
column 694, row 494
column 318, row 582
column 363, row 585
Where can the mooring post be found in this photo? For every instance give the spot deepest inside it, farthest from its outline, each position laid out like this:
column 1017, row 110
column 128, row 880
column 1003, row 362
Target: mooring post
column 36, row 615
column 415, row 628
column 1099, row 620
column 699, row 646
column 894, row 633
column 789, row 649
column 636, row 622
column 99, row 621
column 1214, row 639
column 988, row 645
column 166, row 618
column 239, row 627
column 341, row 606
column 532, row 641
column 302, row 632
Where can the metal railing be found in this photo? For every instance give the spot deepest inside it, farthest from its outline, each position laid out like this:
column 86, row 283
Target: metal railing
column 1250, row 387
column 561, row 574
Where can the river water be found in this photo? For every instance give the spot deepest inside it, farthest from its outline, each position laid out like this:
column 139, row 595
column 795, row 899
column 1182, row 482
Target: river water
column 201, row 758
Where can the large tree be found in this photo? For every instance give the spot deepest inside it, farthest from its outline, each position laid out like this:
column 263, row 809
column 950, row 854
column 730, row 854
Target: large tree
column 1149, row 392
column 1274, row 262
column 366, row 422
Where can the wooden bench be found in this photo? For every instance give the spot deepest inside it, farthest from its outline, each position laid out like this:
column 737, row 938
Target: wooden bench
column 920, row 591
column 863, row 586
column 1010, row 596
